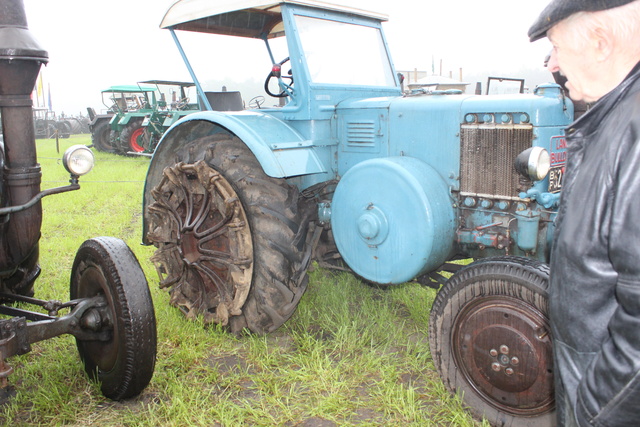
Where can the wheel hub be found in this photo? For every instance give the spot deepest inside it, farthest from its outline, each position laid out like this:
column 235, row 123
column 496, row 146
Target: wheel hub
column 373, row 226
column 189, row 246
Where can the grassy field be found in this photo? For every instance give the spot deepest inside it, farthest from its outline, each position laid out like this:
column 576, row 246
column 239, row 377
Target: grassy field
column 350, row 355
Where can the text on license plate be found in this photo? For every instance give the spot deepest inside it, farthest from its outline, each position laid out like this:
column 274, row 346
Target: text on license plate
column 556, row 174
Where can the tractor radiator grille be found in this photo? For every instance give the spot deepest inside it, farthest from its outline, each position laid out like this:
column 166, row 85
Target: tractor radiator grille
column 487, row 156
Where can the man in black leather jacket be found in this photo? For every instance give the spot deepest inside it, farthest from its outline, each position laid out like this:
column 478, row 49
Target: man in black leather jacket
column 594, row 292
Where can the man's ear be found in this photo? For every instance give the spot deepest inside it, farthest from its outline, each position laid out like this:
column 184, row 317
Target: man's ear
column 603, row 43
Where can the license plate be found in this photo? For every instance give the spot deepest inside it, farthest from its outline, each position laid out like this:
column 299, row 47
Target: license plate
column 556, row 174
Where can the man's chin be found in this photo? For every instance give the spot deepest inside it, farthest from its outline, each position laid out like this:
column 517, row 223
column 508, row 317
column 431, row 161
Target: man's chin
column 575, row 95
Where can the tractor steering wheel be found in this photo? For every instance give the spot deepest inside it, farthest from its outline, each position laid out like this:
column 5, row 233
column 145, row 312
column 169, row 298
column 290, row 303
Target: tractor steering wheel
column 276, row 72
column 256, row 102
column 182, row 103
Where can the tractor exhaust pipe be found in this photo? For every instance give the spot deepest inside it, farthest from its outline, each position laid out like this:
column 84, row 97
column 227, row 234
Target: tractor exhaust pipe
column 20, row 60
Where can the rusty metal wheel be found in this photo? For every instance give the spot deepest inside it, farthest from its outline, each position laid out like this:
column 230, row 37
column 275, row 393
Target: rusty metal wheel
column 490, row 341
column 105, row 267
column 229, row 239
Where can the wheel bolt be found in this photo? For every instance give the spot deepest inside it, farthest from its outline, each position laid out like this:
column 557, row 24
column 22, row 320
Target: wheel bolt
column 493, row 352
column 496, row 366
column 515, row 360
column 508, row 371
column 504, row 349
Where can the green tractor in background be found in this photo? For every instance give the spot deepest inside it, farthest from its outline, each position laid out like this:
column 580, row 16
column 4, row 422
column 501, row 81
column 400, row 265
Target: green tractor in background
column 162, row 116
column 127, row 106
column 138, row 115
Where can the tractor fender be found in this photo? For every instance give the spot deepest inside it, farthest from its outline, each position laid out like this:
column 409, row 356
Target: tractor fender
column 127, row 118
column 393, row 219
column 281, row 151
column 124, row 120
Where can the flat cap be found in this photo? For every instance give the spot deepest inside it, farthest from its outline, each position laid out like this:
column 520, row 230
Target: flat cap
column 558, row 10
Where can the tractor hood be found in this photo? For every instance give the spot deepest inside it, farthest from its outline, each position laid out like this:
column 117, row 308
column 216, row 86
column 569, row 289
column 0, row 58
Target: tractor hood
column 369, row 125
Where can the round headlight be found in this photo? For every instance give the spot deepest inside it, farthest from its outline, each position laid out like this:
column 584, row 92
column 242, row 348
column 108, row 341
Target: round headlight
column 533, row 163
column 78, row 160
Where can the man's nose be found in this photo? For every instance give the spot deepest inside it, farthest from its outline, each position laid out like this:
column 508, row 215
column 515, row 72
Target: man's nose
column 552, row 64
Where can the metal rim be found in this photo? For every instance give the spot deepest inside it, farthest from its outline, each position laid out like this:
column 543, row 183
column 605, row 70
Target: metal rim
column 500, row 346
column 133, row 141
column 92, row 282
column 203, row 237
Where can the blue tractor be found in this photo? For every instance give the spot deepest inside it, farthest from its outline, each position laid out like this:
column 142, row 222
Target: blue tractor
column 349, row 168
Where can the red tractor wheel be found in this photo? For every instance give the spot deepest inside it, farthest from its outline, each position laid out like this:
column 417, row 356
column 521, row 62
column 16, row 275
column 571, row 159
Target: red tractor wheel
column 132, row 137
column 135, row 142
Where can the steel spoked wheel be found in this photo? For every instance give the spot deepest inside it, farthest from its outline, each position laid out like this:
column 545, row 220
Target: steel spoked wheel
column 212, row 258
column 490, row 340
column 229, row 239
column 124, row 364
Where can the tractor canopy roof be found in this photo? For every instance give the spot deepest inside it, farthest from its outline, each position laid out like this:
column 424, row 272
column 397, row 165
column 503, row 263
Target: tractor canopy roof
column 128, row 89
column 243, row 18
column 169, row 83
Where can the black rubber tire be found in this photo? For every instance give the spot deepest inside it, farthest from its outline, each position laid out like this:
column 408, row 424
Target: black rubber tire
column 64, row 129
column 127, row 135
column 278, row 278
column 76, row 125
column 490, row 341
column 101, row 137
column 123, row 365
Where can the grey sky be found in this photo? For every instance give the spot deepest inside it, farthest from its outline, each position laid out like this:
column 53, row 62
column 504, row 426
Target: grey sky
column 93, row 45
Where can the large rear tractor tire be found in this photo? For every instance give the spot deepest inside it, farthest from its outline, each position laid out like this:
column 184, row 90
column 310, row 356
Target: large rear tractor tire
column 490, row 341
column 64, row 129
column 132, row 137
column 101, row 137
column 229, row 238
column 105, row 267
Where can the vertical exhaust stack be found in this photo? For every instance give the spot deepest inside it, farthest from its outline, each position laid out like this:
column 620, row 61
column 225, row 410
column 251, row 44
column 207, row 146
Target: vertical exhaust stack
column 20, row 60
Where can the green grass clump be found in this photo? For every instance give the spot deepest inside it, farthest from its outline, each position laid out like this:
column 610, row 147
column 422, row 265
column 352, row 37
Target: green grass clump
column 350, row 355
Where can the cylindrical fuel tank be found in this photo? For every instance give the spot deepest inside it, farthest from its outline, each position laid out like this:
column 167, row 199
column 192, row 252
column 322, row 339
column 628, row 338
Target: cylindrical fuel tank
column 393, row 219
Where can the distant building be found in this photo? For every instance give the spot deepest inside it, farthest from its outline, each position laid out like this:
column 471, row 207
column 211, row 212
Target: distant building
column 413, row 76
